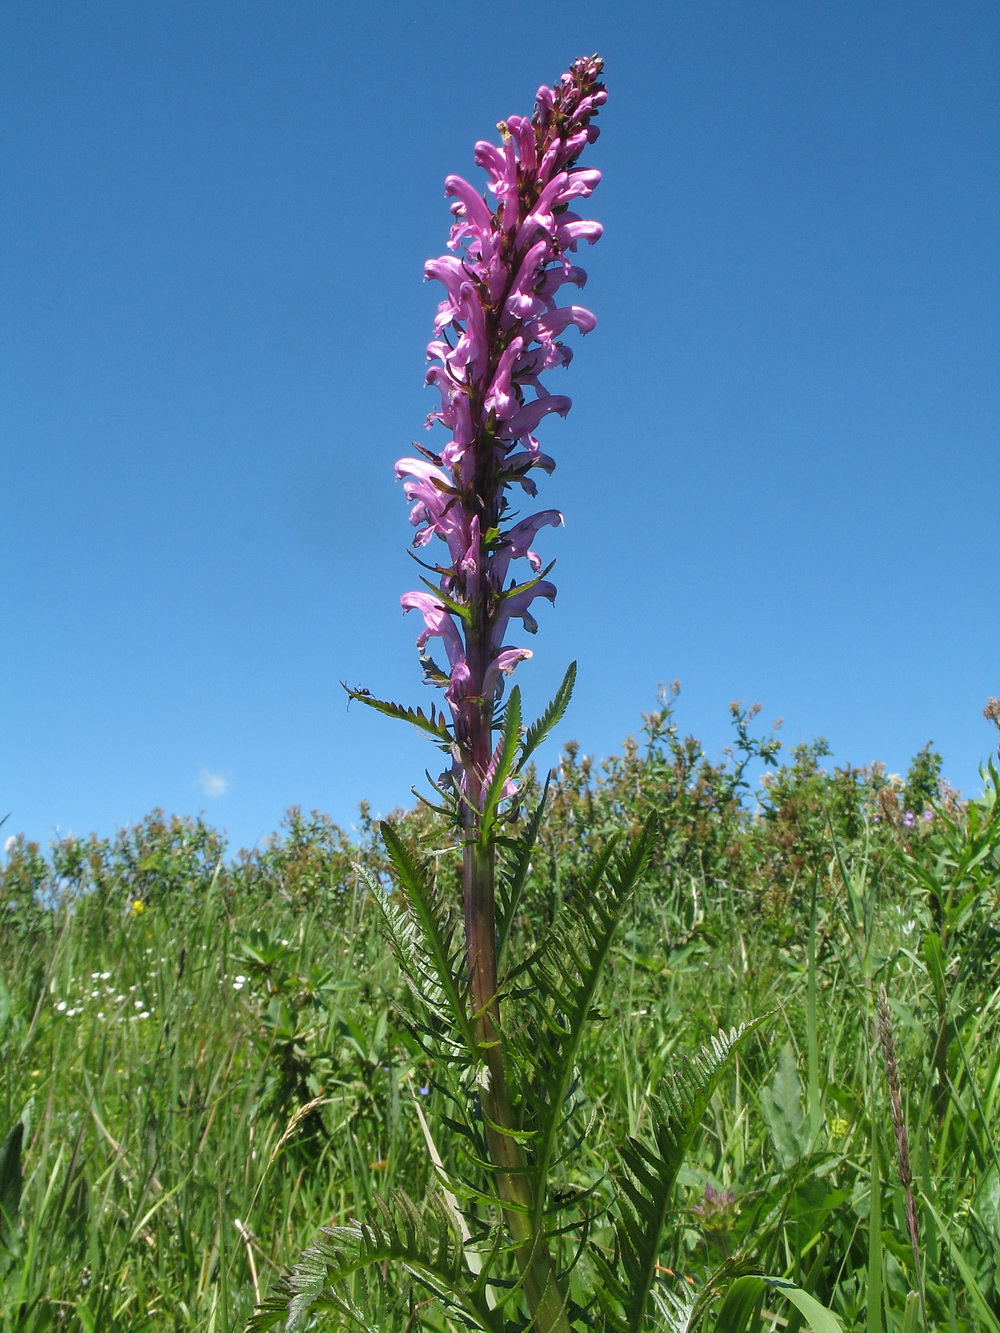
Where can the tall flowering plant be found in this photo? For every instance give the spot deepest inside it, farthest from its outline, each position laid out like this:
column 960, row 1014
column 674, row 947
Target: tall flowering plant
column 508, row 1247
column 498, row 329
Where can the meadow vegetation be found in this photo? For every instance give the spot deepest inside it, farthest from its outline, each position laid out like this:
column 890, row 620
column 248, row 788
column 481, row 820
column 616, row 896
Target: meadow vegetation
column 206, row 1058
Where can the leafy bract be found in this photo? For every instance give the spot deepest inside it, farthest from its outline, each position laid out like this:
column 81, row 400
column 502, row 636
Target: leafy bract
column 504, row 761
column 552, row 715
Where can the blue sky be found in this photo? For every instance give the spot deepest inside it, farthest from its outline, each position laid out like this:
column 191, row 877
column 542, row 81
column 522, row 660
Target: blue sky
column 779, row 476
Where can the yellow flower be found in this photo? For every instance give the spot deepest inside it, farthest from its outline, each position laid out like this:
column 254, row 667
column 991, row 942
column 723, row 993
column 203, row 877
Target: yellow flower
column 138, row 907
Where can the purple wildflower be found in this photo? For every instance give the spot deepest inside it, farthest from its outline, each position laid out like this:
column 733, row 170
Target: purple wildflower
column 497, row 331
column 909, row 819
column 716, row 1215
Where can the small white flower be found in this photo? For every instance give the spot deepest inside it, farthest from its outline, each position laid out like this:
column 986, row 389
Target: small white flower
column 61, row 1005
column 144, row 1014
column 95, row 976
column 105, row 975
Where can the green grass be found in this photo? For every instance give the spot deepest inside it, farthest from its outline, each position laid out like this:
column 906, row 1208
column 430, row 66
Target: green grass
column 206, row 1080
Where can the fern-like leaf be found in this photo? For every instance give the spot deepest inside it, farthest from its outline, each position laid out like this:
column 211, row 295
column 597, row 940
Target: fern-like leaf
column 503, row 764
column 552, row 716
column 425, row 943
column 673, row 1309
column 432, row 724
column 563, row 979
column 429, row 1248
column 647, row 1177
column 512, row 871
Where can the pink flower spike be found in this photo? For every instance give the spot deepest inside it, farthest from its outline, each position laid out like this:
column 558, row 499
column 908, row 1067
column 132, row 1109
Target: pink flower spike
column 496, row 337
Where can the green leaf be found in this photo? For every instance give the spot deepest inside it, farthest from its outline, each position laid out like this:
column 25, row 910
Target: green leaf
column 512, row 871
column 425, row 943
column 745, row 1293
column 933, row 956
column 648, row 1174
column 426, row 1245
column 432, row 724
column 741, row 1300
column 989, row 1319
column 4, row 1008
column 503, row 763
column 563, row 979
column 817, row 1316
column 873, row 1302
column 911, row 1312
column 10, row 1183
column 781, row 1105
column 552, row 715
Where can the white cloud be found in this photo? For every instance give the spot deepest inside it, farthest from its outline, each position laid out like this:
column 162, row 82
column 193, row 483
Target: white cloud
column 212, row 784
